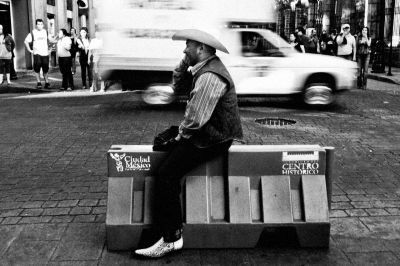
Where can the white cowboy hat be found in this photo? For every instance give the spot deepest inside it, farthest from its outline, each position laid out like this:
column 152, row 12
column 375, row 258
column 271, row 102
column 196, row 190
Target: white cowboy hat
column 199, row 36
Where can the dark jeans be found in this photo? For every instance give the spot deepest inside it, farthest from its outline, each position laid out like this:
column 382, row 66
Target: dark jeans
column 179, row 161
column 65, row 68
column 363, row 62
column 85, row 66
column 5, row 66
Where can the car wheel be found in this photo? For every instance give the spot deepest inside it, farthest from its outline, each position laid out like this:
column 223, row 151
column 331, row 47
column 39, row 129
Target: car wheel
column 318, row 94
column 158, row 95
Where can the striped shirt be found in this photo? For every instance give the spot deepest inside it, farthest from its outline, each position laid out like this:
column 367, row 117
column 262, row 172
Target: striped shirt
column 209, row 88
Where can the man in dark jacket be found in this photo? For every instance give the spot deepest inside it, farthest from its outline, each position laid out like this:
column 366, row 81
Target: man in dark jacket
column 211, row 122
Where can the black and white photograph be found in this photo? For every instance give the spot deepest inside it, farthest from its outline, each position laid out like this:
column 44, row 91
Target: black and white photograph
column 199, row 132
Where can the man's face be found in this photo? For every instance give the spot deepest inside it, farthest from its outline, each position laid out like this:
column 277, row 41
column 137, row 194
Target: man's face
column 39, row 25
column 192, row 52
column 1, row 29
column 346, row 30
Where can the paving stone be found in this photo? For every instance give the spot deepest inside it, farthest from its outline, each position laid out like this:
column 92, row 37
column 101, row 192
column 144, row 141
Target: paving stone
column 88, row 202
column 99, row 210
column 45, row 232
column 8, row 234
column 32, row 204
column 341, row 205
column 49, row 204
column 78, row 251
column 362, row 204
column 8, row 213
column 356, row 212
column 361, row 244
column 73, row 263
column 386, row 226
column 26, row 252
column 337, row 213
column 67, row 203
column 10, row 205
column 11, row 220
column 56, row 211
column 35, row 220
column 62, row 219
column 84, row 232
column 85, row 218
column 376, row 212
column 393, row 211
column 80, row 210
column 102, row 202
column 340, row 198
column 374, row 258
column 32, row 212
column 349, row 227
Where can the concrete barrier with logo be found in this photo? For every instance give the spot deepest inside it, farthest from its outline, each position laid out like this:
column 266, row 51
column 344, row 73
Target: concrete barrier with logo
column 255, row 195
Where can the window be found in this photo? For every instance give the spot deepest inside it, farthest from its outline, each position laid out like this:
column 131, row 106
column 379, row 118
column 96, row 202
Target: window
column 69, row 5
column 51, row 2
column 255, row 45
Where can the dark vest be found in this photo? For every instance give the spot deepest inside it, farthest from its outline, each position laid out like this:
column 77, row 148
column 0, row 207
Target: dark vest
column 224, row 124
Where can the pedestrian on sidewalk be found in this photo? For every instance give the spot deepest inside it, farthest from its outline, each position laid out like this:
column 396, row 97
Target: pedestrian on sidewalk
column 37, row 43
column 313, row 43
column 301, row 39
column 74, row 49
column 93, row 56
column 210, row 124
column 293, row 42
column 333, row 43
column 6, row 46
column 83, row 48
column 64, row 59
column 363, row 55
column 346, row 44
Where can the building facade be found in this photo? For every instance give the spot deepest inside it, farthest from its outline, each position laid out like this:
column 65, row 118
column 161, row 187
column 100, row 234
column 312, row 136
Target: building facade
column 18, row 18
column 330, row 14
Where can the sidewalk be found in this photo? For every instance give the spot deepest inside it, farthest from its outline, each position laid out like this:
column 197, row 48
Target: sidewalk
column 26, row 82
column 395, row 78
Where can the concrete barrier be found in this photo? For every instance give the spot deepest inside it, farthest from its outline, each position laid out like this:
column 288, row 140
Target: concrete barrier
column 255, row 195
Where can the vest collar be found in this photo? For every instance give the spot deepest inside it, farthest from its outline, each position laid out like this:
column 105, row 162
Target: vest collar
column 201, row 64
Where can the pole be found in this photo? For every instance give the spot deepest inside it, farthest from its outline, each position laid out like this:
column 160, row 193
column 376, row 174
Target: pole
column 366, row 13
column 391, row 38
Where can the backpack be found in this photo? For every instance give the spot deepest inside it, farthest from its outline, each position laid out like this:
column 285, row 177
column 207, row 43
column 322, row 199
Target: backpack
column 31, row 43
column 9, row 42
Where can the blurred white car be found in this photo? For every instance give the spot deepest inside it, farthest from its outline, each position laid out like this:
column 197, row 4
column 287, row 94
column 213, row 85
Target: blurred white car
column 261, row 63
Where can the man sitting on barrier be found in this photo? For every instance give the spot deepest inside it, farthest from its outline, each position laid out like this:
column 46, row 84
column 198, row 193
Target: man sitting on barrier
column 210, row 124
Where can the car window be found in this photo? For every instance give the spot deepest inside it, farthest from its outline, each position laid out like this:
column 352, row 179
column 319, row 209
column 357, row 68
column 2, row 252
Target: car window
column 255, row 45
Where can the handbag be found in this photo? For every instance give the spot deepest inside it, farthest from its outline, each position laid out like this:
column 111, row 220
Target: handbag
column 165, row 140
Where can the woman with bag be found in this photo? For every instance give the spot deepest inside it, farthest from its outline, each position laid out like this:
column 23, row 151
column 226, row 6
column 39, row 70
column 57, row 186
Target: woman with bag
column 74, row 49
column 363, row 54
column 64, row 59
column 83, row 48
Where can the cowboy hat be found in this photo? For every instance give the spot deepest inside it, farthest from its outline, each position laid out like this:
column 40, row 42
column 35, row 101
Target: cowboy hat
column 199, row 36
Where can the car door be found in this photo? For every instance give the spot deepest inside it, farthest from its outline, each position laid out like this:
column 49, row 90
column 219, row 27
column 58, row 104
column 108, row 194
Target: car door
column 256, row 68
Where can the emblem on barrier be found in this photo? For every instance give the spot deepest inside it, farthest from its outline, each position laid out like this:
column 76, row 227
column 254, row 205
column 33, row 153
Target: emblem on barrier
column 139, row 163
column 300, row 163
column 118, row 160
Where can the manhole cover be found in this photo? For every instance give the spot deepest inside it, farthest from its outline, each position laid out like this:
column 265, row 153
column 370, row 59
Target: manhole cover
column 275, row 121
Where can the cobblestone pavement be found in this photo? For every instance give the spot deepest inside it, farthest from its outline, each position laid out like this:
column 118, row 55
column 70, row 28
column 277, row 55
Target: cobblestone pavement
column 53, row 184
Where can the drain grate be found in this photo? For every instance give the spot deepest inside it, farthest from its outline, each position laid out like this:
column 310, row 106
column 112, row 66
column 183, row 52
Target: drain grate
column 275, row 122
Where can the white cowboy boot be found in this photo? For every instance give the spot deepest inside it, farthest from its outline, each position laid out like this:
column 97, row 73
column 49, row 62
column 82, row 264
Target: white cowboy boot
column 160, row 249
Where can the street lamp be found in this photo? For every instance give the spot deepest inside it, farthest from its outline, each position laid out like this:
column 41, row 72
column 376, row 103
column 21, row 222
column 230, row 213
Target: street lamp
column 391, row 39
